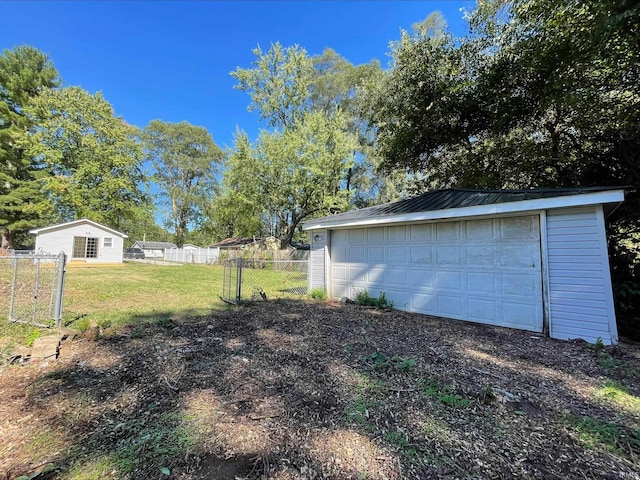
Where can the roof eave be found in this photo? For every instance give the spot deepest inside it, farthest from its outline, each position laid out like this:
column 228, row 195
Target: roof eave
column 584, row 199
column 36, row 231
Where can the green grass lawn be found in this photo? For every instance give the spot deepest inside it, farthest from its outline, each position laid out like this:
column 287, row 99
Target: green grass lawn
column 137, row 292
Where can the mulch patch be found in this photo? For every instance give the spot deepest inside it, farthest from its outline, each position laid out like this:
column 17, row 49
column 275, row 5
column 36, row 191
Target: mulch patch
column 316, row 390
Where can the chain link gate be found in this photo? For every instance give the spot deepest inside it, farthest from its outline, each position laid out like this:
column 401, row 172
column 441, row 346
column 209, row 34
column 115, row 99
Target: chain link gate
column 31, row 288
column 257, row 279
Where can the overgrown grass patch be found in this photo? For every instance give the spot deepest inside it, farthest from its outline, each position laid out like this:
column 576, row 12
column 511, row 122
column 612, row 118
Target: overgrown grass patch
column 594, row 433
column 618, row 395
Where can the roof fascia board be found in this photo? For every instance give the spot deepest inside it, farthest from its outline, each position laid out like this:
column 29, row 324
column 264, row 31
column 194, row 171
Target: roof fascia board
column 609, row 196
column 35, row 231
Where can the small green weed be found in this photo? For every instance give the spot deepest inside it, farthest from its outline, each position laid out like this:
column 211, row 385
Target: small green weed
column 318, row 294
column 363, row 298
column 607, row 363
column 367, row 384
column 166, row 322
column 137, row 332
column 442, row 393
column 358, row 410
column 82, row 324
column 31, row 336
column 400, row 440
column 381, row 361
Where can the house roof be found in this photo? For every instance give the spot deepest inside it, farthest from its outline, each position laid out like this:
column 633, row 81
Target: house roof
column 458, row 202
column 155, row 245
column 234, row 242
column 60, row 226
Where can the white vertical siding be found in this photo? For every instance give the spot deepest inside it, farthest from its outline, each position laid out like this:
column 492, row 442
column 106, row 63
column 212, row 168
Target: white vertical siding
column 318, row 260
column 579, row 289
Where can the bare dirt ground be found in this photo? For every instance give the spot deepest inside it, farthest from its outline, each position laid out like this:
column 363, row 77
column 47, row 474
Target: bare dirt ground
column 304, row 390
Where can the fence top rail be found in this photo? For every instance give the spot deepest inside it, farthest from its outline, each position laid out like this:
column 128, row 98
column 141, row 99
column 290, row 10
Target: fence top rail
column 31, row 256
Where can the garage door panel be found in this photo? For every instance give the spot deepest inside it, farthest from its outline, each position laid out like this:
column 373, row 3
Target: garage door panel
column 358, row 273
column 421, row 233
column 482, row 270
column 521, row 285
column 421, row 255
column 482, row 310
column 519, row 227
column 340, row 273
column 424, row 302
column 481, row 255
column 376, row 275
column 420, row 279
column 375, row 235
column 339, row 255
column 448, row 255
column 451, row 280
column 519, row 256
column 395, row 276
column 397, row 234
column 448, row 231
column 481, row 282
column 396, row 255
column 480, row 230
column 357, row 236
column 375, row 254
column 357, row 255
column 450, row 306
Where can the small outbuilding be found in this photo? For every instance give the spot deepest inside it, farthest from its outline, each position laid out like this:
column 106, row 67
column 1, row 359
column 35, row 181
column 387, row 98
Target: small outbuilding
column 529, row 259
column 154, row 249
column 82, row 241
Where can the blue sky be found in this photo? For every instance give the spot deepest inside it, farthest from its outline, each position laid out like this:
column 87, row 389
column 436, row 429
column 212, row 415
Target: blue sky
column 171, row 60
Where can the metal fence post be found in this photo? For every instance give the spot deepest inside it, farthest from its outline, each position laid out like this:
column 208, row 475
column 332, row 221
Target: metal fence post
column 239, row 282
column 57, row 312
column 36, row 290
column 14, row 286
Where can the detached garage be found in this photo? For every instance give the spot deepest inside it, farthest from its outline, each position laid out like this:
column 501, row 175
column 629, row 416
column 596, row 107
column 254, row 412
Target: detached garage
column 529, row 259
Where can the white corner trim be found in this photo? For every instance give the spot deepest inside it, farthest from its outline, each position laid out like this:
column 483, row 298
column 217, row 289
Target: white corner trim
column 578, row 200
column 606, row 271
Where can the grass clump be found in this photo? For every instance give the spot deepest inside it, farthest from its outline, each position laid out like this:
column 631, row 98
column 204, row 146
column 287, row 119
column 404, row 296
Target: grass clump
column 442, row 393
column 594, row 433
column 358, row 410
column 31, row 336
column 318, row 294
column 363, row 299
column 382, row 361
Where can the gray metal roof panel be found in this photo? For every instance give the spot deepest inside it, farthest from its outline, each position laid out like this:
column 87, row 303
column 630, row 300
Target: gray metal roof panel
column 454, row 198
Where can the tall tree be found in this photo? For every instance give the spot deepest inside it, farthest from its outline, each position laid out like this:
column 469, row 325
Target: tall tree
column 185, row 160
column 25, row 72
column 539, row 94
column 94, row 157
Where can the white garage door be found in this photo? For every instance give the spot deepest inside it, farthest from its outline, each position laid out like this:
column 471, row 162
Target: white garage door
column 480, row 270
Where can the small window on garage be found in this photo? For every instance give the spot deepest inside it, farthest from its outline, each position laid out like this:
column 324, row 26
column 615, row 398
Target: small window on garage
column 108, row 242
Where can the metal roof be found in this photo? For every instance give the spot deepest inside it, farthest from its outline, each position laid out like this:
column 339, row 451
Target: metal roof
column 452, row 198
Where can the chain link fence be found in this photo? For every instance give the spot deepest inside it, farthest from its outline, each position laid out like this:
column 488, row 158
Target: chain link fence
column 31, row 288
column 257, row 279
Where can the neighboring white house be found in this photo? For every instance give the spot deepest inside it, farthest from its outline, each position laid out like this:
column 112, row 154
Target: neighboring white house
column 529, row 259
column 154, row 249
column 81, row 240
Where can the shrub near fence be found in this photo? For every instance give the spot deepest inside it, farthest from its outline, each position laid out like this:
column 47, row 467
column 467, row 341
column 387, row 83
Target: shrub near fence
column 192, row 255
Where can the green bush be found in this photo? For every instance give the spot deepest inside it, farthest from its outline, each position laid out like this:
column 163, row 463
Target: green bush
column 363, row 298
column 318, row 294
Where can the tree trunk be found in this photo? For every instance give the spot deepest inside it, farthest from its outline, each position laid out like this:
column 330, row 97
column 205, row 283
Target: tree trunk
column 8, row 239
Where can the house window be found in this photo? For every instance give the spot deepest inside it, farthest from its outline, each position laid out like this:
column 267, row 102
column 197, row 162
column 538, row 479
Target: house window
column 107, row 242
column 85, row 247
